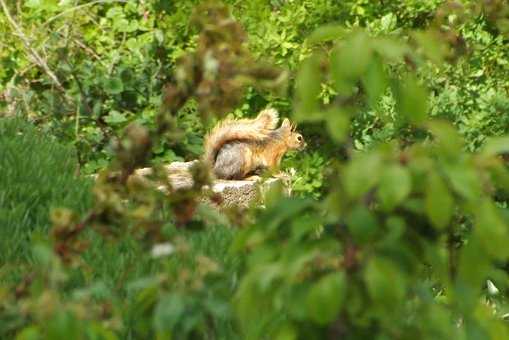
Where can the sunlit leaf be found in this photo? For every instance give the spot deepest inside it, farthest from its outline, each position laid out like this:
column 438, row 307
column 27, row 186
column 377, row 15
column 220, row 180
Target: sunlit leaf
column 432, row 45
column 390, row 49
column 492, row 231
column 307, row 90
column 411, row 100
column 287, row 332
column 326, row 33
column 115, row 117
column 446, row 138
column 375, row 81
column 349, row 61
column 496, row 145
column 464, row 180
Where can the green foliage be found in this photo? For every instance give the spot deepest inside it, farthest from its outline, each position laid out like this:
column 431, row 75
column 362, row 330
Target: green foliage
column 398, row 227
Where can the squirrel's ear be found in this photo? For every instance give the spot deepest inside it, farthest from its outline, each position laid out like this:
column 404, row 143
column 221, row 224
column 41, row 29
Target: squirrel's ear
column 286, row 124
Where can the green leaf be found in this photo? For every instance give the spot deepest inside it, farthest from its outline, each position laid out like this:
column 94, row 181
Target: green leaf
column 411, row 100
column 395, row 229
column 446, row 138
column 395, row 185
column 386, row 284
column 326, row 298
column 286, row 332
column 170, row 309
column 308, row 86
column 362, row 174
column 349, row 61
column 33, row 3
column 464, row 180
column 492, row 231
column 115, row 117
column 496, row 145
column 326, row 33
column 439, row 201
column 390, row 49
column 432, row 45
column 114, row 85
column 29, row 333
column 375, row 81
column 338, row 124
column 362, row 224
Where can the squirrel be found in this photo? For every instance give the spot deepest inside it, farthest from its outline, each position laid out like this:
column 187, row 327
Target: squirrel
column 237, row 149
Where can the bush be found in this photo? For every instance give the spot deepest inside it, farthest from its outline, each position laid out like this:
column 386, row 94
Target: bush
column 403, row 236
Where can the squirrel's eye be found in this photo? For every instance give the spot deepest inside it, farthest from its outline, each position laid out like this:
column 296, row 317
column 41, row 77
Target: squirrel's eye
column 299, row 138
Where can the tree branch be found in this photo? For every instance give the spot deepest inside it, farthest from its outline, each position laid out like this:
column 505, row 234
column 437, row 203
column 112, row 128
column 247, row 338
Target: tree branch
column 80, row 7
column 37, row 59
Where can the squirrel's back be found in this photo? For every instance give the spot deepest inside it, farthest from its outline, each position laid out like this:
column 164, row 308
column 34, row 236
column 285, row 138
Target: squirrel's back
column 230, row 130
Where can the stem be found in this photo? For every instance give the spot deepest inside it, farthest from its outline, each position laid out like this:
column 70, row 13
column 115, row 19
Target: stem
column 77, row 136
column 32, row 52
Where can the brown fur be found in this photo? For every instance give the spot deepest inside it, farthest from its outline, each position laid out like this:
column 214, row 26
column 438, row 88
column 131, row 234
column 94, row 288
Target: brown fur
column 236, row 149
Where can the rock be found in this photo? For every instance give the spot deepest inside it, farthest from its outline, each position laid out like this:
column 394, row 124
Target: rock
column 234, row 193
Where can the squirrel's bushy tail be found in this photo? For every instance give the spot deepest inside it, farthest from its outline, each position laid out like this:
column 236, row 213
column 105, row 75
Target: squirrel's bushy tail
column 231, row 130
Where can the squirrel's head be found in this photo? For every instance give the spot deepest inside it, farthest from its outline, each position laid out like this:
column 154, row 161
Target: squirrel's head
column 294, row 140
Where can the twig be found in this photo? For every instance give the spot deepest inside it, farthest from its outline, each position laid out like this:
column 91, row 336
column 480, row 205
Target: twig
column 89, row 51
column 32, row 52
column 77, row 136
column 80, row 7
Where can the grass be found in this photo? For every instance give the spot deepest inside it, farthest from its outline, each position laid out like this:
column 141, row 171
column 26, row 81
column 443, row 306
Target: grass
column 37, row 174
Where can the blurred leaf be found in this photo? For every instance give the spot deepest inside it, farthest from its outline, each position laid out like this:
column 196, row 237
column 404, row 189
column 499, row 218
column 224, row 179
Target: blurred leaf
column 113, row 85
column 411, row 100
column 439, row 202
column 385, row 282
column 432, row 45
column 395, row 185
column 287, row 332
column 326, row 33
column 29, row 333
column 169, row 310
column 375, row 81
column 492, row 231
column 362, row 224
column 338, row 123
column 349, row 61
column 446, row 137
column 326, row 298
column 496, row 145
column 396, row 228
column 390, row 49
column 362, row 174
column 307, row 90
column 464, row 181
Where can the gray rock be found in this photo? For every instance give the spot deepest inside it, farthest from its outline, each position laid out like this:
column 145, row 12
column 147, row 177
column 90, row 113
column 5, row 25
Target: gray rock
column 233, row 193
